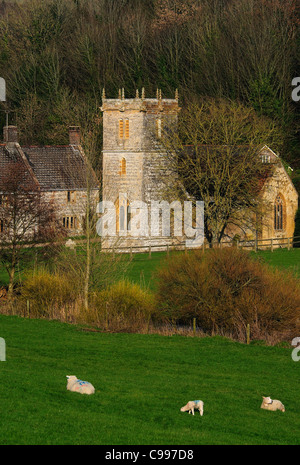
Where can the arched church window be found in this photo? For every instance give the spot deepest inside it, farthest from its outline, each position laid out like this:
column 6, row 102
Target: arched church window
column 123, row 215
column 128, row 217
column 122, row 218
column 279, row 213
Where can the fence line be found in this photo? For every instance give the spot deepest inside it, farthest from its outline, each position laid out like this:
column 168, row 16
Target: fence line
column 254, row 244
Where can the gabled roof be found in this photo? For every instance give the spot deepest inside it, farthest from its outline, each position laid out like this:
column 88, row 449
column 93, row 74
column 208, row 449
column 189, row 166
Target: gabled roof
column 53, row 167
column 10, row 158
column 275, row 157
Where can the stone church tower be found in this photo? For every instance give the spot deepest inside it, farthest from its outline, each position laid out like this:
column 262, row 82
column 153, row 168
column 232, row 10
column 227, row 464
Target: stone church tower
column 134, row 166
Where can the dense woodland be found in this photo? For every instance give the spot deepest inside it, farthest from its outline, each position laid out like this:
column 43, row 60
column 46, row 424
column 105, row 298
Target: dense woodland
column 58, row 55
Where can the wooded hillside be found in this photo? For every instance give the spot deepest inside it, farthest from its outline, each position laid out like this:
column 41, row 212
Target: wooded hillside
column 57, row 55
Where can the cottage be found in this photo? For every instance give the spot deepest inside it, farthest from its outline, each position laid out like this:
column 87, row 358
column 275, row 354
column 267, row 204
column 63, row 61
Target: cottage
column 62, row 174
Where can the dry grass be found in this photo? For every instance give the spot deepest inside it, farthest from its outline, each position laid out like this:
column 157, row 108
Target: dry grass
column 224, row 290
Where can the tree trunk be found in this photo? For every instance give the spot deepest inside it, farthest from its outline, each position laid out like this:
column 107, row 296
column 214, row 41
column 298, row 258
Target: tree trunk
column 11, row 272
column 88, row 251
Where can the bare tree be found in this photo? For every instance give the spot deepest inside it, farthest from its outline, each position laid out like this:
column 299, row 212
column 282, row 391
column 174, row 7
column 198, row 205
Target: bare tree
column 24, row 216
column 88, row 266
column 215, row 159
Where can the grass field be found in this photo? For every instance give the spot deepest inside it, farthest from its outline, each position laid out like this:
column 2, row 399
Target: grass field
column 282, row 258
column 142, row 268
column 141, row 382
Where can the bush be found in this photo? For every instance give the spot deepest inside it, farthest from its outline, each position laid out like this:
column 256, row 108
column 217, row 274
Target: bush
column 225, row 290
column 123, row 306
column 48, row 293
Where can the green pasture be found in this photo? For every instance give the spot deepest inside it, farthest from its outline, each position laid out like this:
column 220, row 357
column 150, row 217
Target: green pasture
column 141, row 382
column 282, row 258
column 142, row 267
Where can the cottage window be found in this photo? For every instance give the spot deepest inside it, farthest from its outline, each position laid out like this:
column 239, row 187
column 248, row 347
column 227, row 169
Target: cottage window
column 1, row 226
column 3, row 199
column 279, row 213
column 71, row 196
column 70, row 222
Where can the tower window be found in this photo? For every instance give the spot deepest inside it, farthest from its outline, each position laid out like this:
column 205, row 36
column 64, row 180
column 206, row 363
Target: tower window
column 126, row 128
column 158, row 128
column 122, row 167
column 128, row 217
column 123, row 216
column 121, row 129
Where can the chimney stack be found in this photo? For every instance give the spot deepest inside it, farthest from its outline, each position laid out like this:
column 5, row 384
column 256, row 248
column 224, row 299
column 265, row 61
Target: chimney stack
column 74, row 135
column 10, row 134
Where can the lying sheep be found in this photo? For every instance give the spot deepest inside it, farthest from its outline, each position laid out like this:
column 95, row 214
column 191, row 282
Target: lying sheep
column 77, row 385
column 192, row 405
column 269, row 404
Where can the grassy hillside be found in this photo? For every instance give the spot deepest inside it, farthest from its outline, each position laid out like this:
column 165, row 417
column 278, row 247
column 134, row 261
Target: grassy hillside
column 141, row 382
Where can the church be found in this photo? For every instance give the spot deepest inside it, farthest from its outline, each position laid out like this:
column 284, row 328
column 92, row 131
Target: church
column 136, row 176
column 135, row 171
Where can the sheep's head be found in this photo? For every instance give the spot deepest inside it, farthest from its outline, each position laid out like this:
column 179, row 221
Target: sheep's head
column 71, row 377
column 267, row 400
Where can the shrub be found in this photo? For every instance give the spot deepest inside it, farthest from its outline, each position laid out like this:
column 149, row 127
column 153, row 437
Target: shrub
column 123, row 306
column 226, row 290
column 48, row 293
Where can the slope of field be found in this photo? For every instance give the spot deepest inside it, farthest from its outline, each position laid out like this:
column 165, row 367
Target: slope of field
column 141, row 382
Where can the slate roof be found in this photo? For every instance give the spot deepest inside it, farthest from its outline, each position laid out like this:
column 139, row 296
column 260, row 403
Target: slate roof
column 55, row 167
column 8, row 161
column 7, row 157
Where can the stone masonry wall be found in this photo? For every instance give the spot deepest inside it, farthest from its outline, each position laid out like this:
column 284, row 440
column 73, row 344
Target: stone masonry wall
column 75, row 208
column 146, row 165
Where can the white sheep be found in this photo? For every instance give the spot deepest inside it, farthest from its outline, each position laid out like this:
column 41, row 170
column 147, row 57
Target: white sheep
column 270, row 404
column 192, row 405
column 77, row 385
